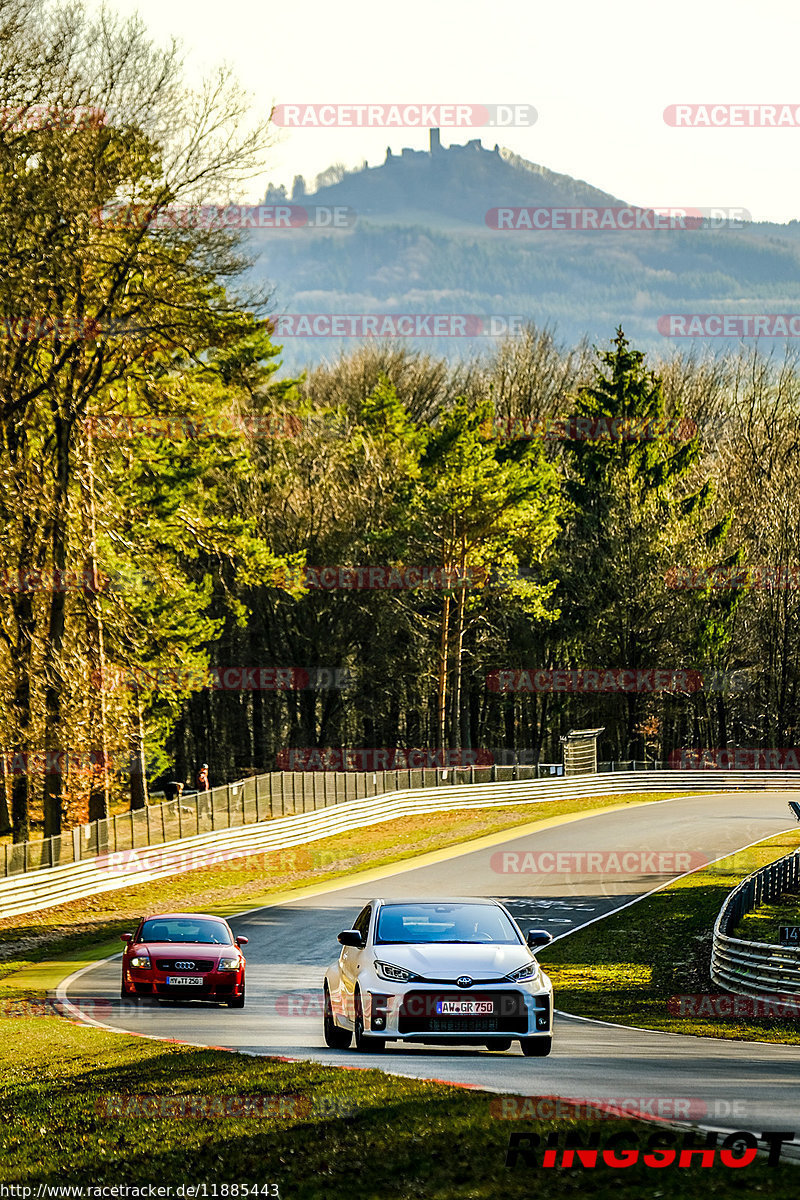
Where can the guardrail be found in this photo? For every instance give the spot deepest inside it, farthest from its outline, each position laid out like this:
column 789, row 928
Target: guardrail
column 248, row 801
column 113, row 870
column 756, row 968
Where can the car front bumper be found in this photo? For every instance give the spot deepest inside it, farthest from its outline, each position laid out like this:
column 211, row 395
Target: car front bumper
column 414, row 1012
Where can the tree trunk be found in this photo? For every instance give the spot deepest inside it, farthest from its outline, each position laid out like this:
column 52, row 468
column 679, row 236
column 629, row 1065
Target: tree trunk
column 53, row 670
column 138, row 773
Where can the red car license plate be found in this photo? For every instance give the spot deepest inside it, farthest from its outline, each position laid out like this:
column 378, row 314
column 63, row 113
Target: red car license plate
column 185, row 980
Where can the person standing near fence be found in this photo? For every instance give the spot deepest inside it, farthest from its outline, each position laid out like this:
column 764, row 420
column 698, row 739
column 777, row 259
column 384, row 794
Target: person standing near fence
column 202, row 779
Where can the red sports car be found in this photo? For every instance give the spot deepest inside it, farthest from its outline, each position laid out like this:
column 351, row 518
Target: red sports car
column 184, row 956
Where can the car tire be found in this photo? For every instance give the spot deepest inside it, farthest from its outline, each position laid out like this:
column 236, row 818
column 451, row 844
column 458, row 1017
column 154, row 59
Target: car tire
column 335, row 1038
column 498, row 1043
column 364, row 1043
column 237, row 1001
column 536, row 1047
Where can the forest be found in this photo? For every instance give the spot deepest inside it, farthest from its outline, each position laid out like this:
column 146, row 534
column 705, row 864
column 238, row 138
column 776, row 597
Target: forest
column 204, row 561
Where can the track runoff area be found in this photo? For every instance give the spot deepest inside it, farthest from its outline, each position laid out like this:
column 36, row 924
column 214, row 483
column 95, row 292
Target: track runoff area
column 559, row 878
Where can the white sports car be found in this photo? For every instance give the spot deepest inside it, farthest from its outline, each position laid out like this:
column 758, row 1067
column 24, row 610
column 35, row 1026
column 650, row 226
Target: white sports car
column 438, row 971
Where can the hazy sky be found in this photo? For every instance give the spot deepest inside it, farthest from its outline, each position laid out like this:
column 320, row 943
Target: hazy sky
column 599, row 76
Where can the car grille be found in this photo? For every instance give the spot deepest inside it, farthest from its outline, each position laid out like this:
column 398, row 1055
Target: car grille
column 418, row 1013
column 198, row 964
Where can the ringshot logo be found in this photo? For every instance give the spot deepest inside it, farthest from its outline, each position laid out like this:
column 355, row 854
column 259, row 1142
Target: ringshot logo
column 664, row 1148
column 402, row 116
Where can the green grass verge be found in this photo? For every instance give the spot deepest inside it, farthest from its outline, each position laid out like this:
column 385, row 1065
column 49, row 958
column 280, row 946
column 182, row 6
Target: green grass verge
column 338, row 1135
column 763, row 924
column 625, row 967
column 242, row 883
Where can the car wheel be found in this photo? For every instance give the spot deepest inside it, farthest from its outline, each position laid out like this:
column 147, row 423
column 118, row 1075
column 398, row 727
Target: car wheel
column 237, row 1001
column 536, row 1047
column 365, row 1044
column 498, row 1043
column 336, row 1038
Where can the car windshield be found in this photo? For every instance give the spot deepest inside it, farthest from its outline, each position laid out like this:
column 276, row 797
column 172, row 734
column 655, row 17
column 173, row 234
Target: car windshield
column 179, row 929
column 420, row 924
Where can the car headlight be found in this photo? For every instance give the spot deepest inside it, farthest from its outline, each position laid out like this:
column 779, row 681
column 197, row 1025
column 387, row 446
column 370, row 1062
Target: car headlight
column 523, row 974
column 395, row 974
column 142, row 961
column 229, row 964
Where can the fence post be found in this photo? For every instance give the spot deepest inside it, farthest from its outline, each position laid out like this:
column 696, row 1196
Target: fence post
column 164, row 819
column 180, row 817
column 228, row 802
column 258, row 798
column 149, row 841
column 76, row 842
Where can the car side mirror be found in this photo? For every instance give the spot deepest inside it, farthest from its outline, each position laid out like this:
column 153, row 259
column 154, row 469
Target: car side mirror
column 351, row 937
column 537, row 938
column 241, row 940
column 126, row 937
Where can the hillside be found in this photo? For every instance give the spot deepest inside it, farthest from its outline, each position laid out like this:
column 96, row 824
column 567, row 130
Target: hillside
column 421, row 244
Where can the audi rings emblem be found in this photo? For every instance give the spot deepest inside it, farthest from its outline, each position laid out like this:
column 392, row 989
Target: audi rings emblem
column 185, row 966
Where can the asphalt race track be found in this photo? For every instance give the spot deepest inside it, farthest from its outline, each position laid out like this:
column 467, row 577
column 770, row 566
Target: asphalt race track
column 722, row 1084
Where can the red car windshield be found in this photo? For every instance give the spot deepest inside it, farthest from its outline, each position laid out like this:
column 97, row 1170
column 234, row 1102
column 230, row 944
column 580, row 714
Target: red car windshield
column 179, row 929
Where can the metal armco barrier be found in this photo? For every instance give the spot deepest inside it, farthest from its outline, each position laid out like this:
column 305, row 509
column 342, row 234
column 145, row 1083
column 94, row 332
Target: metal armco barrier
column 245, row 802
column 108, row 872
column 756, row 968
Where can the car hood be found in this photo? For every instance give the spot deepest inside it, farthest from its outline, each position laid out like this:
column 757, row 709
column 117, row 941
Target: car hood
column 185, row 950
column 448, row 960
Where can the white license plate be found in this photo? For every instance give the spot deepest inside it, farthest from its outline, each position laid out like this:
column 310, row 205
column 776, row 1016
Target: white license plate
column 185, row 980
column 464, row 1008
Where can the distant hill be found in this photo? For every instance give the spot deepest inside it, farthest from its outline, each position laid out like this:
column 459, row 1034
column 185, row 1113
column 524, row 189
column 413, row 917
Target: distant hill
column 421, row 244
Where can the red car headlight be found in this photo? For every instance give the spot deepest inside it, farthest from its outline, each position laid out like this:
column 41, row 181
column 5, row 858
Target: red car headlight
column 141, row 962
column 229, row 964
